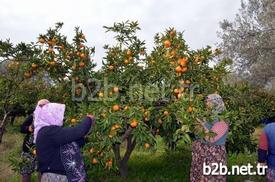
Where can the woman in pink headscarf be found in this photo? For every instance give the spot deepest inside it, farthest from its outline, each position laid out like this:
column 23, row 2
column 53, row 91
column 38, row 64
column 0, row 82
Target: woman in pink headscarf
column 58, row 148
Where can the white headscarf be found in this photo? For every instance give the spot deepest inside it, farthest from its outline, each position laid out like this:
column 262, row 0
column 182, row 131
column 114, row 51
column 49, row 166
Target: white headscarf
column 47, row 115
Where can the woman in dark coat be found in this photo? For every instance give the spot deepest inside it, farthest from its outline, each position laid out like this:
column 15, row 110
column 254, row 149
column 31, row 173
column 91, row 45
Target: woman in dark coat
column 58, row 148
column 28, row 154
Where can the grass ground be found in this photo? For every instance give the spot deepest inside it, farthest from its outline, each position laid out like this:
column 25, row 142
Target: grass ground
column 160, row 165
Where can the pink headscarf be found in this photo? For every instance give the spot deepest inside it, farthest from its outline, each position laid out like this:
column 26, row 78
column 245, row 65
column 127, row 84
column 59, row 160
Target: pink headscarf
column 47, row 115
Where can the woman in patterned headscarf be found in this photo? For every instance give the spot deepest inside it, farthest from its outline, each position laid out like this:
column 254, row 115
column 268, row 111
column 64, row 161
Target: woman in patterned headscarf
column 210, row 150
column 58, row 148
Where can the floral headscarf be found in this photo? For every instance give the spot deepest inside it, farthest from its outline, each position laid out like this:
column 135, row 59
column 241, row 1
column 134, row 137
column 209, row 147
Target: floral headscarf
column 217, row 104
column 47, row 115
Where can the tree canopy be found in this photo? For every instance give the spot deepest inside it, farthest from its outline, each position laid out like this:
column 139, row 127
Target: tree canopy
column 249, row 41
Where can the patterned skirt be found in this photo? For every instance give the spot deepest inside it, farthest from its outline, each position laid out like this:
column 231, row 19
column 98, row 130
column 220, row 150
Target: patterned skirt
column 52, row 177
column 29, row 164
column 208, row 154
column 271, row 175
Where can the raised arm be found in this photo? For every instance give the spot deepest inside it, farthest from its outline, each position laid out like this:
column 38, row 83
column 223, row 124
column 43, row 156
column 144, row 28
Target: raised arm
column 70, row 134
column 81, row 142
column 220, row 129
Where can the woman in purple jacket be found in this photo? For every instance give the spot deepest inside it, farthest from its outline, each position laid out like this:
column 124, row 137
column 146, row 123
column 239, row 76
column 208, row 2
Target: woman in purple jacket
column 266, row 151
column 58, row 148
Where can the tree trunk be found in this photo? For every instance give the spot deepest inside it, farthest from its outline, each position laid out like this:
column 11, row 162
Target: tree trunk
column 123, row 165
column 172, row 145
column 1, row 134
column 123, row 162
column 2, row 126
column 123, row 168
column 12, row 119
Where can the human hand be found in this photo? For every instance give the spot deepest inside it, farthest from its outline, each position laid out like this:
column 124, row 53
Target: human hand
column 200, row 121
column 92, row 117
column 42, row 102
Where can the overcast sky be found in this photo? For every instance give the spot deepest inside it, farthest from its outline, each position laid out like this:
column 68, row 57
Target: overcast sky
column 24, row 20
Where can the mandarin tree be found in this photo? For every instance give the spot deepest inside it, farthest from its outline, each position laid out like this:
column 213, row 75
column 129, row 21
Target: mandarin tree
column 118, row 103
column 17, row 86
column 50, row 68
column 141, row 94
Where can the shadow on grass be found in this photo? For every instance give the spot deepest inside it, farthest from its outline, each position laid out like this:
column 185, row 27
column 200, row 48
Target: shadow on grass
column 168, row 166
column 154, row 167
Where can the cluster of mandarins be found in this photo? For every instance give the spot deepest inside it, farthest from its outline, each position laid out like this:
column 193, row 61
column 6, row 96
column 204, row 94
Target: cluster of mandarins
column 181, row 65
column 64, row 61
column 115, row 90
column 128, row 58
column 134, row 122
column 52, row 45
column 100, row 154
column 61, row 58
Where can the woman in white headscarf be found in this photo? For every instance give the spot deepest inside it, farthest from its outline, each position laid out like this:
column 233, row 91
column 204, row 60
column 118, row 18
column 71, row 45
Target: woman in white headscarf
column 58, row 148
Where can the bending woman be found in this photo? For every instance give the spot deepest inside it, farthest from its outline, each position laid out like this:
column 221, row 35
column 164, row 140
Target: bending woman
column 210, row 149
column 58, row 148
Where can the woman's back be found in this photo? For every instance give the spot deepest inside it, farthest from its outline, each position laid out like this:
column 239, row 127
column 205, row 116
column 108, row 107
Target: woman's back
column 48, row 152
